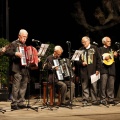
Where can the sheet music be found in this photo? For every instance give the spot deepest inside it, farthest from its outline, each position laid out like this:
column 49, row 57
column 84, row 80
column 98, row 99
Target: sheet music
column 43, row 49
column 77, row 55
column 95, row 78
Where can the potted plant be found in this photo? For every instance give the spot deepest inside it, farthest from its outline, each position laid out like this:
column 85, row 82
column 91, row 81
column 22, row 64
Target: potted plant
column 4, row 65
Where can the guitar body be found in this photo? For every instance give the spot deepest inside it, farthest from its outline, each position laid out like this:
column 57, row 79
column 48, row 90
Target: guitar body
column 109, row 61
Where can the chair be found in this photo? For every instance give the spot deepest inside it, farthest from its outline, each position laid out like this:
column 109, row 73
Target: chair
column 51, row 93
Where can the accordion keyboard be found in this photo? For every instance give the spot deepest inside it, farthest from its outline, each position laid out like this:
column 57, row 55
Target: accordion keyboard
column 59, row 71
column 23, row 59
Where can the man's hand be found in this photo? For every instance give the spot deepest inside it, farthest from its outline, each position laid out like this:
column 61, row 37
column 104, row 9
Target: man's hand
column 107, row 57
column 55, row 67
column 39, row 59
column 3, row 49
column 18, row 54
column 84, row 64
column 97, row 72
column 115, row 54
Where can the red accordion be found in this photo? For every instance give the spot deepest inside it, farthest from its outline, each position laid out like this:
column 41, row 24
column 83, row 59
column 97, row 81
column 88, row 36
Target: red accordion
column 29, row 56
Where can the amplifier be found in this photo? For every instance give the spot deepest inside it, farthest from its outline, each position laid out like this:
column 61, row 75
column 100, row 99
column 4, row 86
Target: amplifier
column 4, row 94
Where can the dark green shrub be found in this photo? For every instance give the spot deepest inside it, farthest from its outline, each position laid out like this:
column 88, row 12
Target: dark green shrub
column 4, row 63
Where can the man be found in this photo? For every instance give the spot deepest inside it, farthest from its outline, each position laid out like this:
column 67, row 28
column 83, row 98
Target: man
column 52, row 74
column 20, row 74
column 107, row 72
column 89, row 65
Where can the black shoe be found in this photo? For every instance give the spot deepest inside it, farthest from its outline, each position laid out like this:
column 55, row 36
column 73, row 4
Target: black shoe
column 113, row 102
column 96, row 103
column 67, row 98
column 105, row 103
column 22, row 106
column 14, row 107
column 85, row 103
column 62, row 104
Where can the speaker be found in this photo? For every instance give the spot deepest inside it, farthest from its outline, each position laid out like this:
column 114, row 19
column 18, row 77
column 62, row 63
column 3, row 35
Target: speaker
column 3, row 94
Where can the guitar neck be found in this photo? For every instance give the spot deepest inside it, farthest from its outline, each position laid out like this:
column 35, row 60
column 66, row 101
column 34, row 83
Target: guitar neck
column 6, row 47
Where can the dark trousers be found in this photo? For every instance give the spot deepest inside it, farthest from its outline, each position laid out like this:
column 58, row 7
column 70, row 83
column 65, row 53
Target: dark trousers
column 19, row 87
column 65, row 92
column 107, row 87
column 89, row 89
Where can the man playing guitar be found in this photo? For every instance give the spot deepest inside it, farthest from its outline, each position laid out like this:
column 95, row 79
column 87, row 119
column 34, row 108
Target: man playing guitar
column 107, row 71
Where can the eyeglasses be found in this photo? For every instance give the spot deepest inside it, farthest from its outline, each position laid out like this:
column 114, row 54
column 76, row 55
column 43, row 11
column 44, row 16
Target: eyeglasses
column 108, row 41
column 85, row 41
column 57, row 53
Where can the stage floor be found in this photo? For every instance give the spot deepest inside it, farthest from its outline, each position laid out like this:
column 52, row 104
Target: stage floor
column 73, row 112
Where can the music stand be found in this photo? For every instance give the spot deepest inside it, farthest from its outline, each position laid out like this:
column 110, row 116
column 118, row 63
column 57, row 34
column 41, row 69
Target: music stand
column 76, row 55
column 43, row 49
column 41, row 53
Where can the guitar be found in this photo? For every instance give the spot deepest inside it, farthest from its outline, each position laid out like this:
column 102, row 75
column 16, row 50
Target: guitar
column 3, row 49
column 109, row 61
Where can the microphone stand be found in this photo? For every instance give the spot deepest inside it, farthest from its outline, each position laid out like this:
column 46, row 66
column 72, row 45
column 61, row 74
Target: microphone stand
column 69, row 52
column 70, row 69
column 28, row 104
column 39, row 97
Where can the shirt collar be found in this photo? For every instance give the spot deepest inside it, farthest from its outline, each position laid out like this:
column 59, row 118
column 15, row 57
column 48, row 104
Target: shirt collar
column 105, row 46
column 88, row 46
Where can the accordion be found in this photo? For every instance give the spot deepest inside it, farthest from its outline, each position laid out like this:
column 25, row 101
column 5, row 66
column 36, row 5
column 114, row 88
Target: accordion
column 64, row 68
column 29, row 56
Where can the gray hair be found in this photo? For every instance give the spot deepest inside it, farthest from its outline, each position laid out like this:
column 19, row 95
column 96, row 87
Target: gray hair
column 58, row 48
column 104, row 39
column 86, row 37
column 23, row 31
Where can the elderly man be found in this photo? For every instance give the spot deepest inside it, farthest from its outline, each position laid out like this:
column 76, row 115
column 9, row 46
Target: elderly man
column 89, row 65
column 107, row 72
column 52, row 75
column 19, row 73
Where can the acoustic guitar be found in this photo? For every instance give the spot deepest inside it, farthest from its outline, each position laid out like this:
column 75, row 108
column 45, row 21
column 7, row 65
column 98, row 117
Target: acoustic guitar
column 109, row 61
column 6, row 47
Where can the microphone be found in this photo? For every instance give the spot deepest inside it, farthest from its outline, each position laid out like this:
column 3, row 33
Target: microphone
column 33, row 40
column 95, row 43
column 117, row 43
column 73, row 50
column 67, row 42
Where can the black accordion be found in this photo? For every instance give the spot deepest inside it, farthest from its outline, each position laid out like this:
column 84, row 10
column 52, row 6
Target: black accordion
column 64, row 68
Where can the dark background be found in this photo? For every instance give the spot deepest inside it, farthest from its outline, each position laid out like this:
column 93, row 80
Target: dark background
column 51, row 20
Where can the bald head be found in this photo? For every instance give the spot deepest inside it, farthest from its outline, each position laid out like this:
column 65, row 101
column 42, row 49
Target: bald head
column 106, row 41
